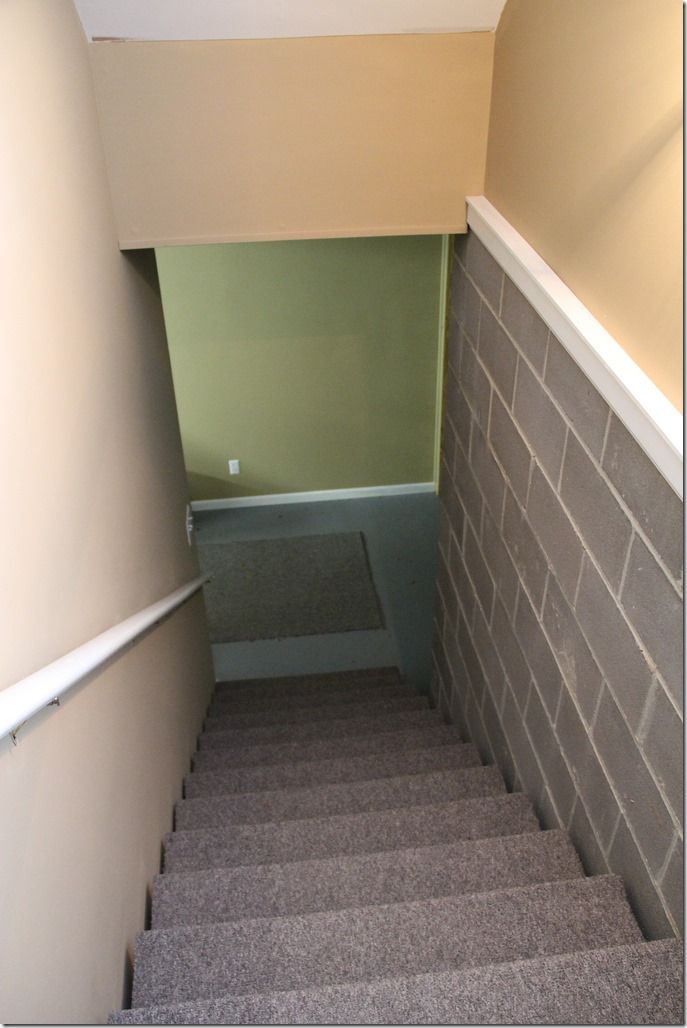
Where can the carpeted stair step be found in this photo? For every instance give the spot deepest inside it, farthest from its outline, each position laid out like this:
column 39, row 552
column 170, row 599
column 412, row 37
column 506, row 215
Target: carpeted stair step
column 345, row 769
column 338, row 798
column 225, row 703
column 337, row 727
column 297, row 715
column 631, row 984
column 396, row 876
column 313, row 838
column 307, row 684
column 175, row 964
column 432, row 734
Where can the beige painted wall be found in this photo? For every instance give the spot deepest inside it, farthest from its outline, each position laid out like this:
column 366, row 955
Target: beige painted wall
column 585, row 160
column 94, row 496
column 229, row 140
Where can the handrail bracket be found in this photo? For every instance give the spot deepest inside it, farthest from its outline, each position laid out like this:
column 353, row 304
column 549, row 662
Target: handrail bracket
column 54, row 702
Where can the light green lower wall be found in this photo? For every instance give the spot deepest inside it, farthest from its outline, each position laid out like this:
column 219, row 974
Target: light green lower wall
column 313, row 362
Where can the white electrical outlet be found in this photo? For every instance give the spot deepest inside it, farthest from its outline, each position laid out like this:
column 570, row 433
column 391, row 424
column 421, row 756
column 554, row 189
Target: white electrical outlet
column 234, row 467
column 189, row 524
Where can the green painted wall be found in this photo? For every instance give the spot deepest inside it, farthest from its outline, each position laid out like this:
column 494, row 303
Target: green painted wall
column 314, row 362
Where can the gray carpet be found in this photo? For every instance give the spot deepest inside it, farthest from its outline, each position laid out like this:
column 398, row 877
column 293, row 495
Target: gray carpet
column 222, row 720
column 344, row 834
column 337, row 946
column 290, row 752
column 280, row 588
column 318, row 729
column 353, row 862
column 635, row 984
column 338, row 798
column 334, row 883
column 341, row 769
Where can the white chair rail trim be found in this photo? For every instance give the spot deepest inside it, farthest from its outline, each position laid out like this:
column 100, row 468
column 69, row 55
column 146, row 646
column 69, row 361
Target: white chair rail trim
column 25, row 698
column 646, row 412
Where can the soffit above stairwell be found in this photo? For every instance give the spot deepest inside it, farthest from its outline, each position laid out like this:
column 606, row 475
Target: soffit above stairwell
column 263, row 19
column 236, row 140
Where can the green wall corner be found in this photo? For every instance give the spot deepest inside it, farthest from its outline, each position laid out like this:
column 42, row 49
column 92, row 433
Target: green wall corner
column 313, row 362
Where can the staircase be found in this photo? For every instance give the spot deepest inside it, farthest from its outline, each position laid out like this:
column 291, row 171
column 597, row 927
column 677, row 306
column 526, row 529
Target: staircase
column 342, row 857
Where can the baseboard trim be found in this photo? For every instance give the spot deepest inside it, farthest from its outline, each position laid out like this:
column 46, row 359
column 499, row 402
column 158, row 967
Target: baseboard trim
column 646, row 412
column 441, row 348
column 316, row 496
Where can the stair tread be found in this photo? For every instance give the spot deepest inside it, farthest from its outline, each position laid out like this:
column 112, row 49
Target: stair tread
column 224, row 702
column 434, row 733
column 291, row 684
column 223, row 894
column 506, row 814
column 629, row 984
column 325, row 729
column 338, row 798
column 347, row 945
column 387, row 764
column 358, row 708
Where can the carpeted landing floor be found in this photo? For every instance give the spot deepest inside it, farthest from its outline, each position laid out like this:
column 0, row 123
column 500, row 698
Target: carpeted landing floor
column 288, row 587
column 400, row 538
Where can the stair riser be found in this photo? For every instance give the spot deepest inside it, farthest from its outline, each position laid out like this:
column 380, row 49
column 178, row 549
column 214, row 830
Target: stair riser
column 299, row 715
column 346, row 770
column 268, row 754
column 318, row 729
column 400, row 876
column 341, row 946
column 359, row 833
column 344, row 798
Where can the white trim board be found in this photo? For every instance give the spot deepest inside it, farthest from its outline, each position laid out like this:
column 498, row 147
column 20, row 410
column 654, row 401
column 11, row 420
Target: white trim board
column 359, row 232
column 441, row 349
column 317, row 496
column 645, row 411
column 270, row 19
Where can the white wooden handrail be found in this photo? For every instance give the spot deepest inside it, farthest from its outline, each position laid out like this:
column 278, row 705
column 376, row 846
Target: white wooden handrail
column 22, row 700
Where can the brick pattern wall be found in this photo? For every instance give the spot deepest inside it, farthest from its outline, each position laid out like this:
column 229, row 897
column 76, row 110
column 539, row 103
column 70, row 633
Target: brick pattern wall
column 558, row 615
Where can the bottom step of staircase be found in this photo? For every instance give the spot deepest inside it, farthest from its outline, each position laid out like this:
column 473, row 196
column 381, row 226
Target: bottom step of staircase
column 637, row 984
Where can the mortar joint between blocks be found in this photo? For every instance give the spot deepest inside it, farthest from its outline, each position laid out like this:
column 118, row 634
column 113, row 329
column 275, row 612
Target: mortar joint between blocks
column 626, row 564
column 607, row 430
column 660, row 875
column 579, row 580
column 546, row 356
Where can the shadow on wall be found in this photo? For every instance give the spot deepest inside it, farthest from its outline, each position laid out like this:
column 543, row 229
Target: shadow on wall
column 212, row 487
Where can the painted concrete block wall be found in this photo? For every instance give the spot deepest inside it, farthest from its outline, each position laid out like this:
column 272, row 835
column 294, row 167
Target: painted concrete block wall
column 558, row 615
column 314, row 362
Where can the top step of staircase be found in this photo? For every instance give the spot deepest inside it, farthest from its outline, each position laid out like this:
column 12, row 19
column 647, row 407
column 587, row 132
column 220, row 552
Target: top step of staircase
column 292, row 684
column 240, row 702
